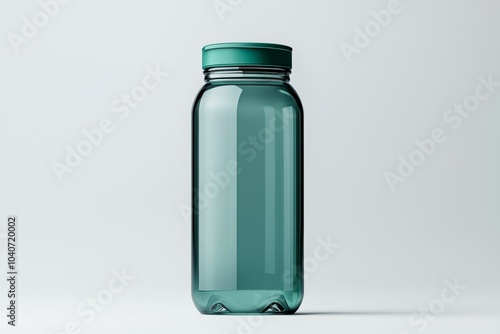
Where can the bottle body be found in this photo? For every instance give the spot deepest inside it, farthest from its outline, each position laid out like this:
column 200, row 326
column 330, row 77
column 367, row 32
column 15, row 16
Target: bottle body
column 247, row 228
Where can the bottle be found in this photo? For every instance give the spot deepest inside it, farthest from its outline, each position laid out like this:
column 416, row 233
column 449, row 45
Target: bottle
column 247, row 182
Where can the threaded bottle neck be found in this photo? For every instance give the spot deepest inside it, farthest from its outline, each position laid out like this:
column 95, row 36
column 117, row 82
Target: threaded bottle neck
column 246, row 73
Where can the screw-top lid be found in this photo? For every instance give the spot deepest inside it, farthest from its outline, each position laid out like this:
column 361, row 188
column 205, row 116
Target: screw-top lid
column 246, row 54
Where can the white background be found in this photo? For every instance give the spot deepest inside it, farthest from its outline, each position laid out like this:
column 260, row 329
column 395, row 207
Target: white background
column 122, row 207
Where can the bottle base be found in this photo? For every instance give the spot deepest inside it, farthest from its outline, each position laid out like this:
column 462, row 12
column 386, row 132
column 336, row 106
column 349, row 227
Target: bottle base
column 243, row 302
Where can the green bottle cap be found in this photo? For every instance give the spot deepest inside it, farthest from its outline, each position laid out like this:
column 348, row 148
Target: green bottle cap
column 246, row 54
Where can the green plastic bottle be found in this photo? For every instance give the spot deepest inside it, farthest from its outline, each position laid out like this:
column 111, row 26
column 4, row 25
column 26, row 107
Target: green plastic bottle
column 247, row 182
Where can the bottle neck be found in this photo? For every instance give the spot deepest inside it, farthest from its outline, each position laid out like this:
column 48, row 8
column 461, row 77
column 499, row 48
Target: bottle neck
column 250, row 73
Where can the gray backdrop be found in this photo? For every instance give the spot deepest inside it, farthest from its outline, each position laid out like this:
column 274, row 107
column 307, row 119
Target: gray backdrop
column 401, row 161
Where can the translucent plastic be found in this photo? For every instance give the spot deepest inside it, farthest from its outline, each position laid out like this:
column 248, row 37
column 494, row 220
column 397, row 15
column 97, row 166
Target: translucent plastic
column 247, row 246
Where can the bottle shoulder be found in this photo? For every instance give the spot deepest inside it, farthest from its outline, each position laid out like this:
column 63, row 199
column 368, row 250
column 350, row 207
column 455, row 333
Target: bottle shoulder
column 242, row 94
